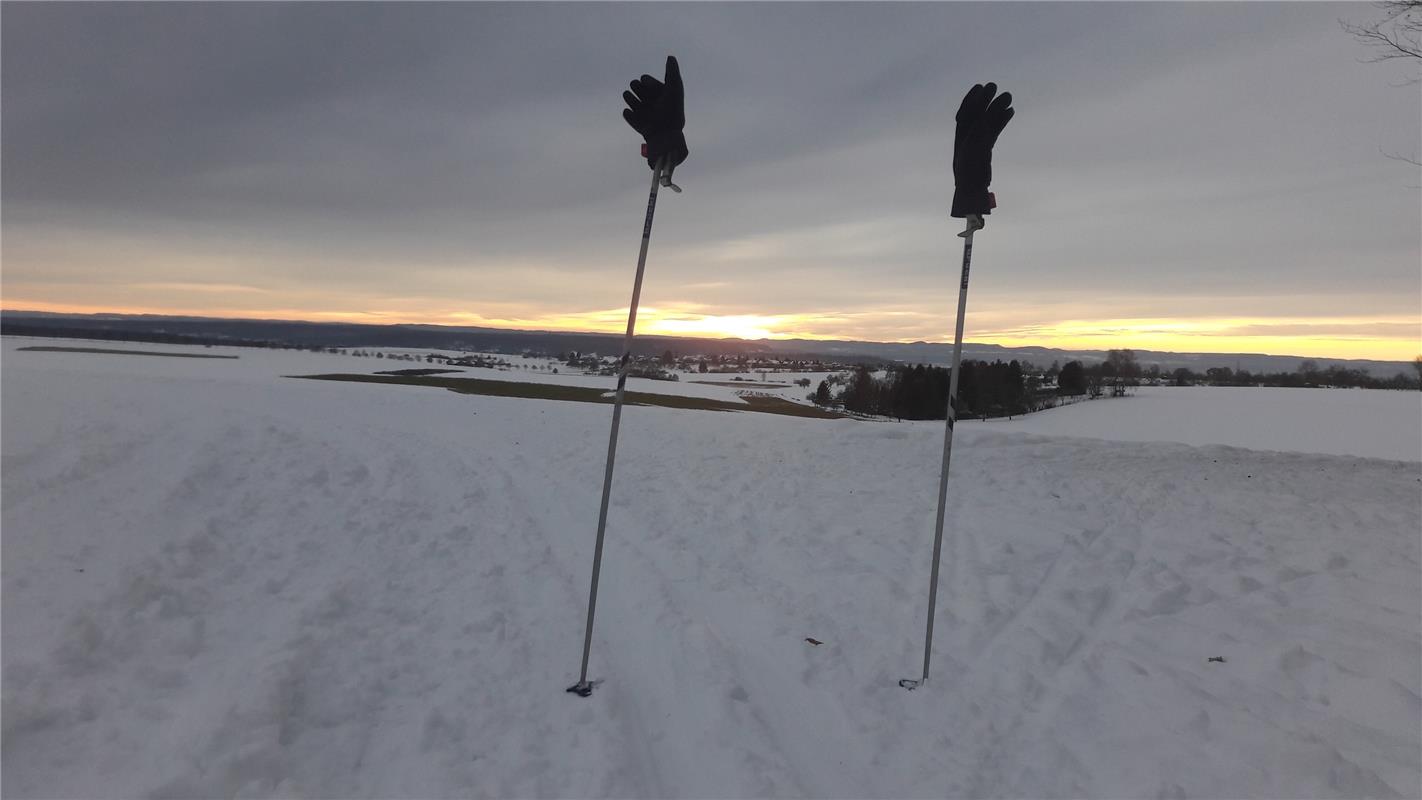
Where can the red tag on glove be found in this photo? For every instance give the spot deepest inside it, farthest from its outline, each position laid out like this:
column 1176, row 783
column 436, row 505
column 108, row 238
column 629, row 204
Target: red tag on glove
column 992, row 200
column 644, row 149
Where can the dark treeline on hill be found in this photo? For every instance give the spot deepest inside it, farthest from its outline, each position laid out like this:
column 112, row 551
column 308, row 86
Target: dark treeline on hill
column 304, row 335
column 1004, row 389
column 1121, row 370
column 1307, row 375
column 8, row 328
column 985, row 389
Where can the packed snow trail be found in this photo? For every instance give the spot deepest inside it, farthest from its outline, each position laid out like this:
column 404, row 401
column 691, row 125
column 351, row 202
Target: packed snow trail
column 218, row 583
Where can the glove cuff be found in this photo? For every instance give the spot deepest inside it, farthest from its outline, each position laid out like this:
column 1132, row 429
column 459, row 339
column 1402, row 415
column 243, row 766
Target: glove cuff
column 672, row 144
column 971, row 201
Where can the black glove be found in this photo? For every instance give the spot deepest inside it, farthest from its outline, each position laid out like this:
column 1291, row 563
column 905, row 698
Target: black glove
column 981, row 119
column 654, row 109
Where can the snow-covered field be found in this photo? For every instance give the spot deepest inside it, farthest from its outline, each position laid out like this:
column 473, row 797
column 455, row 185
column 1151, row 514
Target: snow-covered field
column 219, row 582
column 1357, row 422
column 263, row 365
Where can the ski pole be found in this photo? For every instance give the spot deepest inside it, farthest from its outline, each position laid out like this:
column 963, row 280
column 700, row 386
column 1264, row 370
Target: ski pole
column 975, row 223
column 980, row 120
column 583, row 688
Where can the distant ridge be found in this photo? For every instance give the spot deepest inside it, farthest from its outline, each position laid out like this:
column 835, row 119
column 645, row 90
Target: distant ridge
column 216, row 330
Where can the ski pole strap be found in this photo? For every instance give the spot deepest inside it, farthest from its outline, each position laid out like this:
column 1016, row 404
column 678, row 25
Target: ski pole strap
column 664, row 169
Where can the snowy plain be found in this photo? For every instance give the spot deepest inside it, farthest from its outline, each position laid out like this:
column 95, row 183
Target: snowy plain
column 221, row 582
column 1356, row 422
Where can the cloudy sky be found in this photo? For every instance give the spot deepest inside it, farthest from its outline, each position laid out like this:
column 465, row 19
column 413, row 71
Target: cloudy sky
column 1201, row 177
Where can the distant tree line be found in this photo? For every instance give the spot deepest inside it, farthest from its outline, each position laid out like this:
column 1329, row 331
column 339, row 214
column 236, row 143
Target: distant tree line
column 1004, row 389
column 9, row 328
column 1120, row 371
column 1308, row 375
column 985, row 389
column 920, row 391
column 1114, row 376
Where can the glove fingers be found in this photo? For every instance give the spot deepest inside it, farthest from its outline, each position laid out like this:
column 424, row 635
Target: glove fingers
column 630, row 117
column 998, row 105
column 673, row 74
column 647, row 92
column 995, row 118
column 975, row 102
column 674, row 89
column 996, row 124
column 969, row 102
column 633, row 104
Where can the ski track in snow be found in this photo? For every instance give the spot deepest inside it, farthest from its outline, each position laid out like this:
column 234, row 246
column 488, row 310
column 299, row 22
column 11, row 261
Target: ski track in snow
column 291, row 588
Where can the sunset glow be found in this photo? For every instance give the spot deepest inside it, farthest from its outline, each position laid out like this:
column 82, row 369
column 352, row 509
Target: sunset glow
column 433, row 191
column 1382, row 338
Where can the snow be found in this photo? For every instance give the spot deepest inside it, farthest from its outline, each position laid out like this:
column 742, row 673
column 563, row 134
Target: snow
column 1358, row 422
column 263, row 365
column 776, row 384
column 219, row 582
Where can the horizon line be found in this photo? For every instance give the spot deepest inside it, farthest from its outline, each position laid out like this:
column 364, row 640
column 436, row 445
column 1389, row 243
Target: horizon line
column 689, row 335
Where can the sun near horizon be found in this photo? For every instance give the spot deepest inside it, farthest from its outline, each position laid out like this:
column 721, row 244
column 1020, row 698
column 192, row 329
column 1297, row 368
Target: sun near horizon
column 1177, row 335
column 1191, row 178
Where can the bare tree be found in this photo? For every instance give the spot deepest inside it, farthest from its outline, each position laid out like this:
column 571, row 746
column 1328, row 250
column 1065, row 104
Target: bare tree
column 1124, row 362
column 1398, row 34
column 1123, row 370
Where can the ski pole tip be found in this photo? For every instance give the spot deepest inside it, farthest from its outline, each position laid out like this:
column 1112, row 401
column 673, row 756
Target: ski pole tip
column 583, row 688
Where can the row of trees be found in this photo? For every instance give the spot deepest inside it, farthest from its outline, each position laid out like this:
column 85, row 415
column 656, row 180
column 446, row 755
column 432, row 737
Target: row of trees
column 1114, row 375
column 921, row 392
column 1308, row 374
column 999, row 389
column 1120, row 371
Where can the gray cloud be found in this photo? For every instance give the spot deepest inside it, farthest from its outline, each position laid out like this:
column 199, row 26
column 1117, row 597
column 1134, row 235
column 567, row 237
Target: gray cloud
column 1196, row 150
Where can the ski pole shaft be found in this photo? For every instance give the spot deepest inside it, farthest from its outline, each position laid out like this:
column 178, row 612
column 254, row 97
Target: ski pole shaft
column 582, row 687
column 952, row 414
